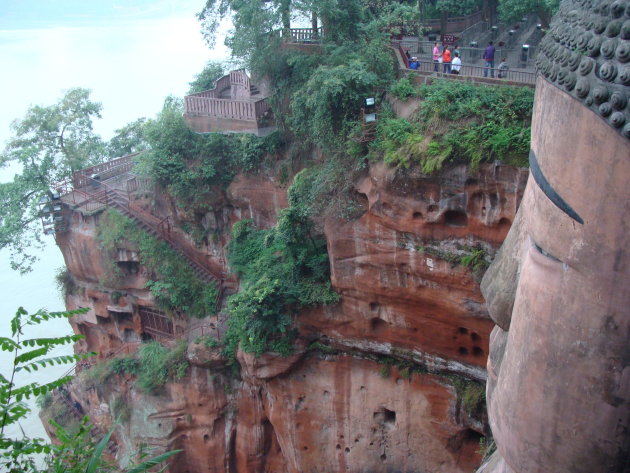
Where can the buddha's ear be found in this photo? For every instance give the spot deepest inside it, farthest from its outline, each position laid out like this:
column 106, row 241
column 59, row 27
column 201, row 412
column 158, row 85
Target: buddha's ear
column 499, row 284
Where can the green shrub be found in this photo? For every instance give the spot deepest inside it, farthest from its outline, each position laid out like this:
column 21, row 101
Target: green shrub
column 208, row 341
column 471, row 394
column 95, row 375
column 158, row 365
column 282, row 270
column 65, row 282
column 195, row 168
column 403, row 89
column 124, row 364
column 458, row 122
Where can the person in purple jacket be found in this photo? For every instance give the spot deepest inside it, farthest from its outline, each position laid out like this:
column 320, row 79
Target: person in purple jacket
column 488, row 56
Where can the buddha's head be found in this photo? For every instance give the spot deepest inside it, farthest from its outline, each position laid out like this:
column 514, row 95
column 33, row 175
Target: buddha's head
column 559, row 290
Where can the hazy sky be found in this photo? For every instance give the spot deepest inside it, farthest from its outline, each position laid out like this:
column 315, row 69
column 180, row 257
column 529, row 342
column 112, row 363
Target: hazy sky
column 130, row 53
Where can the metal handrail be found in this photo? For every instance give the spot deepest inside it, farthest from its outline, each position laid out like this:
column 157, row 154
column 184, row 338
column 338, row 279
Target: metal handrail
column 479, row 72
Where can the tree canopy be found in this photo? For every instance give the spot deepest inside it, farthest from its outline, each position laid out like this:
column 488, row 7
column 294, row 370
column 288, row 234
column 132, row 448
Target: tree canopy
column 206, row 78
column 128, row 139
column 47, row 146
column 513, row 10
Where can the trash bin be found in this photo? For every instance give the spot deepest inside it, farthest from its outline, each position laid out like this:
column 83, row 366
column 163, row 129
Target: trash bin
column 524, row 55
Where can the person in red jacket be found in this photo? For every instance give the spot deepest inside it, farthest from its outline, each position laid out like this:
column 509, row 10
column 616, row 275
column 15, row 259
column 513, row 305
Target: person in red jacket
column 446, row 60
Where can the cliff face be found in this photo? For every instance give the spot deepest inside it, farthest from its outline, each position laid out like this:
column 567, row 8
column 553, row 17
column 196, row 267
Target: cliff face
column 385, row 393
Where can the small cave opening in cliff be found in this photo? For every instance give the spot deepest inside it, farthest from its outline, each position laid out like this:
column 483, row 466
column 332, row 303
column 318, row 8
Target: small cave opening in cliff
column 463, row 350
column 384, row 416
column 374, row 306
column 458, row 441
column 478, row 351
column 505, row 223
column 455, row 218
column 129, row 268
column 377, row 325
column 475, row 337
column 462, row 330
column 268, row 434
column 121, row 317
column 417, row 216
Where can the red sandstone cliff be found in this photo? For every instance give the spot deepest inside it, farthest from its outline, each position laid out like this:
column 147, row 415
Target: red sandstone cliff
column 333, row 410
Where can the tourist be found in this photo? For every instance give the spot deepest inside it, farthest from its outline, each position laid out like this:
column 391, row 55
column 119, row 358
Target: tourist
column 488, row 57
column 446, row 60
column 436, row 57
column 503, row 69
column 457, row 64
column 414, row 63
column 456, row 50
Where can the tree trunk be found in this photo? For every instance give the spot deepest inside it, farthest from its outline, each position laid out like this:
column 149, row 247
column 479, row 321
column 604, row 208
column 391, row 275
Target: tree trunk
column 285, row 11
column 314, row 22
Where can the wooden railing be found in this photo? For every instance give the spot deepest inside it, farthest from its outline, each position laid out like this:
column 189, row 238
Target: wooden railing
column 240, row 78
column 107, row 170
column 303, row 35
column 226, row 108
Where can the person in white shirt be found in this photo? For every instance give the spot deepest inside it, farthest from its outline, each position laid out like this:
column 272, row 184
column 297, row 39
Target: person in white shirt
column 456, row 64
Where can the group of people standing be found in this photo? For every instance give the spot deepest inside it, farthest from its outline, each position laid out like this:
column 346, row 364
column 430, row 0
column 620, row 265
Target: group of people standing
column 450, row 60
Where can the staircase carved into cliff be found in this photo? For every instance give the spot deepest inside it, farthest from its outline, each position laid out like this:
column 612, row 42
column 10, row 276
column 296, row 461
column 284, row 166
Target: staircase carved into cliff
column 87, row 191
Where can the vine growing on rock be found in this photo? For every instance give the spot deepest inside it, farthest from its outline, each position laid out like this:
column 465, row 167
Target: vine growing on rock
column 172, row 282
column 282, row 270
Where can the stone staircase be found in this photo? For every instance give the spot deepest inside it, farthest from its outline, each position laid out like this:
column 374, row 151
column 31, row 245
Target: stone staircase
column 155, row 226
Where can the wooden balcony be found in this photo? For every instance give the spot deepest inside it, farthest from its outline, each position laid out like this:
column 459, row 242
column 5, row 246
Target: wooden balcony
column 235, row 105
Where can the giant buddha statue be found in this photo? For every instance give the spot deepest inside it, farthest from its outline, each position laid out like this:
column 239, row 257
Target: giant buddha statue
column 558, row 387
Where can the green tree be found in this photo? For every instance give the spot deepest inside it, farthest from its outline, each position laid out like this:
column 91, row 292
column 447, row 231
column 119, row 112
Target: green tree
column 205, row 79
column 455, row 8
column 48, row 145
column 128, row 139
column 513, row 10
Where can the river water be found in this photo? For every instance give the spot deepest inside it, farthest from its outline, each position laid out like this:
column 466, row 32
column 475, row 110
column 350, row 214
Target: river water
column 131, row 67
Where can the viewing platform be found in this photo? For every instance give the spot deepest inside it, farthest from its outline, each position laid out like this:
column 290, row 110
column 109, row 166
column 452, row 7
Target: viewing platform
column 235, row 105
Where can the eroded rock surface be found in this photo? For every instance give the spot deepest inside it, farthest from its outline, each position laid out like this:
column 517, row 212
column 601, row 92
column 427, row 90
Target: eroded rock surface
column 405, row 295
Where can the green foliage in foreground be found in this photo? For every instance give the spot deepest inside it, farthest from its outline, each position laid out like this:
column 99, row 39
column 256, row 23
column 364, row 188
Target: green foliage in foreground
column 457, row 123
column 172, row 282
column 76, row 450
column 282, row 270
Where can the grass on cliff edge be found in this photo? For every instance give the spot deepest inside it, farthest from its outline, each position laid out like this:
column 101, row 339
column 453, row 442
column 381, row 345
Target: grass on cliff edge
column 153, row 365
column 456, row 122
